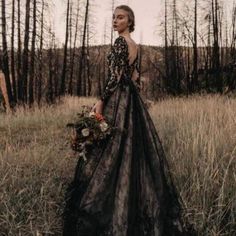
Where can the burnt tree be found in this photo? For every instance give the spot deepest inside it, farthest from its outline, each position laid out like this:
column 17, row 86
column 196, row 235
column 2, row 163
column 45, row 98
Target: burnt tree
column 5, row 58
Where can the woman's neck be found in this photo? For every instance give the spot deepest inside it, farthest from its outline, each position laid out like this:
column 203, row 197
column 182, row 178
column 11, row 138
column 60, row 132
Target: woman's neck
column 125, row 34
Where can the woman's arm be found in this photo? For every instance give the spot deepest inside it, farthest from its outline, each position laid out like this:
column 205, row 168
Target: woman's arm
column 119, row 57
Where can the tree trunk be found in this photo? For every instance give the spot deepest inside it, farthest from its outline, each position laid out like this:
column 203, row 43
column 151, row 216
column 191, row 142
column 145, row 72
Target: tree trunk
column 195, row 52
column 19, row 77
column 167, row 76
column 5, row 59
column 70, row 87
column 25, row 59
column 56, row 66
column 81, row 80
column 112, row 10
column 40, row 77
column 63, row 76
column 13, row 52
column 88, row 64
column 49, row 96
column 32, row 61
column 216, row 50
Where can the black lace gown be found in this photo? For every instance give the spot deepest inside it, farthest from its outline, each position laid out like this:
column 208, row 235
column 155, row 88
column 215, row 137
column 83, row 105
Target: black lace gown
column 125, row 188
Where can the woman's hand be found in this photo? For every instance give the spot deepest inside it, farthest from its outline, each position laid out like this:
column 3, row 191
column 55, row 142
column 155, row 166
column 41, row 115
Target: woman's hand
column 135, row 75
column 98, row 107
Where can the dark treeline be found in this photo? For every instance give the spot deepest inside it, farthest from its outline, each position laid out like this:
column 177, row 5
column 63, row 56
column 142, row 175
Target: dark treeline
column 198, row 52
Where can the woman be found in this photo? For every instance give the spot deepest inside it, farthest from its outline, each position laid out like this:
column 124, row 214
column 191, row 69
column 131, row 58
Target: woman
column 125, row 189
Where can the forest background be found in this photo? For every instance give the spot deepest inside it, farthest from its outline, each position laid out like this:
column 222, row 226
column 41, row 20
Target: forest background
column 49, row 70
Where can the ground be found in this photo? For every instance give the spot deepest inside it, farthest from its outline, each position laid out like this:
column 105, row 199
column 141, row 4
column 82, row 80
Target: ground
column 36, row 162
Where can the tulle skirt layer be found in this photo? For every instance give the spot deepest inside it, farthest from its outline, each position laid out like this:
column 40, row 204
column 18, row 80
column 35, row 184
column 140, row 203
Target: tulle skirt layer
column 125, row 188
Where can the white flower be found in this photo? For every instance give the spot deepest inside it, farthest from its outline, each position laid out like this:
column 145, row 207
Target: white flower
column 91, row 114
column 85, row 132
column 81, row 146
column 103, row 126
column 82, row 154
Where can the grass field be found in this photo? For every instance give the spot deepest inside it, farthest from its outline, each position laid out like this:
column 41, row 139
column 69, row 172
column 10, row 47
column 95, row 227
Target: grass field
column 36, row 163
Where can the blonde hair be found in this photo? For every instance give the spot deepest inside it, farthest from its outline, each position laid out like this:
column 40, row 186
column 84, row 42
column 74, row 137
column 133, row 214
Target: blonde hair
column 130, row 16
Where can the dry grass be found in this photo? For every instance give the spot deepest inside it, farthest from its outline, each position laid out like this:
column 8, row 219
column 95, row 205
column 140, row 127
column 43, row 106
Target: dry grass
column 199, row 137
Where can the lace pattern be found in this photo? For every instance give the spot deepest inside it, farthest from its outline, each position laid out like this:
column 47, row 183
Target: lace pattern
column 117, row 60
column 118, row 67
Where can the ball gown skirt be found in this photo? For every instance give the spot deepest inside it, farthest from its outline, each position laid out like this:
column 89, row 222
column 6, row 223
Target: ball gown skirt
column 125, row 188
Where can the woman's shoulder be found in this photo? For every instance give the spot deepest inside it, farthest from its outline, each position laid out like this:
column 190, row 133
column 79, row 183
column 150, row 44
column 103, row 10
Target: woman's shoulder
column 120, row 45
column 120, row 40
column 126, row 40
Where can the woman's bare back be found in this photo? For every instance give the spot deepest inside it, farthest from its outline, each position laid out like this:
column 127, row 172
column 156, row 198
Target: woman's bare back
column 132, row 48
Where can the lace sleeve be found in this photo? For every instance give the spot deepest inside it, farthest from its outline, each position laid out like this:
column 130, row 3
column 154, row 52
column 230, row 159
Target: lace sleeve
column 119, row 56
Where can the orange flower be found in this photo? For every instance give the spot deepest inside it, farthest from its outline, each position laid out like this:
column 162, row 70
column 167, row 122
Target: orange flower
column 99, row 117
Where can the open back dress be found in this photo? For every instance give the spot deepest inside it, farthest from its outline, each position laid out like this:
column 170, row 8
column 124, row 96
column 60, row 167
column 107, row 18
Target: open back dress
column 125, row 187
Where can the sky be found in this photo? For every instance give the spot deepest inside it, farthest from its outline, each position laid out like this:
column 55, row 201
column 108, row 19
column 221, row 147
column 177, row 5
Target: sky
column 148, row 17
column 148, row 14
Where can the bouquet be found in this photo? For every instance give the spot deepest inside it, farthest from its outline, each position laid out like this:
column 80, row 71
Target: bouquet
column 90, row 129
